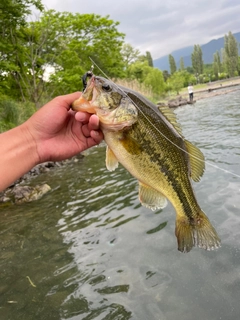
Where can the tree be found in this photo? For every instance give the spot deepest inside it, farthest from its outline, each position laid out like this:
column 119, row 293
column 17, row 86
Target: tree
column 230, row 58
column 13, row 15
column 129, row 54
column 172, row 64
column 176, row 81
column 182, row 64
column 166, row 75
column 155, row 81
column 65, row 41
column 149, row 59
column 179, row 80
column 217, row 65
column 146, row 57
column 139, row 70
column 197, row 60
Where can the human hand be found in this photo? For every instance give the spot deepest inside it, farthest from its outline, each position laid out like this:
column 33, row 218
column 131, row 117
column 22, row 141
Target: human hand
column 59, row 132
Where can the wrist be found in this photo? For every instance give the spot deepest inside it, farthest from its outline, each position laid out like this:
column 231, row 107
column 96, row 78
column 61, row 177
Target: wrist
column 30, row 144
column 18, row 154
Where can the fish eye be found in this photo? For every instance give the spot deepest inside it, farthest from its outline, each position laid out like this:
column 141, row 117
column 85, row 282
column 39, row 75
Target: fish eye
column 106, row 87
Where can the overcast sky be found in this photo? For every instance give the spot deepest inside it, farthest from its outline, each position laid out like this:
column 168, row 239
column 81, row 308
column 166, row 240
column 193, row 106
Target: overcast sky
column 162, row 26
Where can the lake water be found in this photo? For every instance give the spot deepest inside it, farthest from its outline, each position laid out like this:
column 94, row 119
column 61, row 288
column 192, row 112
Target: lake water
column 89, row 250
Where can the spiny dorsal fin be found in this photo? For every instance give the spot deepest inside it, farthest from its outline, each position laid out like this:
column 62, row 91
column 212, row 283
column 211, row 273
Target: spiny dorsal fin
column 196, row 161
column 171, row 117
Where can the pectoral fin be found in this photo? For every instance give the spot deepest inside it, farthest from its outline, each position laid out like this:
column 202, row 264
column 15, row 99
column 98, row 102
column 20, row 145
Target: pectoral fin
column 151, row 198
column 111, row 160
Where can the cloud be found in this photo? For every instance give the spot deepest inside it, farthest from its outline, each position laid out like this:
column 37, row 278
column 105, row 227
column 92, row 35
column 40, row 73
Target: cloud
column 162, row 26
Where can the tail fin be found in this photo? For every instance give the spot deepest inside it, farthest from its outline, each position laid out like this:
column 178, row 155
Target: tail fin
column 198, row 232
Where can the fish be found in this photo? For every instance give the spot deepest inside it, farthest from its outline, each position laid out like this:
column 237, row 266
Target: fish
column 147, row 140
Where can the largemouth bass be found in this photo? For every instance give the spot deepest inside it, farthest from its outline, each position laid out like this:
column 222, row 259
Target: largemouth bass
column 148, row 142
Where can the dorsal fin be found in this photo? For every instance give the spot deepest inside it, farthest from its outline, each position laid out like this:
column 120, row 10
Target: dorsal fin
column 197, row 163
column 171, row 117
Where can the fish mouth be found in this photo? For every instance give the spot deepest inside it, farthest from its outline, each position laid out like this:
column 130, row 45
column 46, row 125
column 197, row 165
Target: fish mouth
column 84, row 102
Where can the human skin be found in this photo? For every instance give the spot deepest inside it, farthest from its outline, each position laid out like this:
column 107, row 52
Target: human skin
column 53, row 133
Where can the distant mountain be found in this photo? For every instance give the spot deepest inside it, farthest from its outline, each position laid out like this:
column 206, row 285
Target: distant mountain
column 208, row 50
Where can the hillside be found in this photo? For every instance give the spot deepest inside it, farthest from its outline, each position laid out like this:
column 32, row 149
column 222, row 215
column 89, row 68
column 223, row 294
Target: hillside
column 208, row 50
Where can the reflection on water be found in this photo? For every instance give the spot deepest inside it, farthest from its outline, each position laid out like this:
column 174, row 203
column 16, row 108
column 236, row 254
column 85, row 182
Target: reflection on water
column 92, row 251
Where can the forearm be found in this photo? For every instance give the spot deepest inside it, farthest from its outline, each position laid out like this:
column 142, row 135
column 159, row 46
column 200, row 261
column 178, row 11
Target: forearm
column 18, row 155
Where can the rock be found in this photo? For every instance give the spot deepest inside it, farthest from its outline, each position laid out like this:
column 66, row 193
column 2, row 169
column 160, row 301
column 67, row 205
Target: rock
column 5, row 199
column 179, row 101
column 161, row 104
column 17, row 192
column 173, row 104
column 183, row 102
column 21, row 194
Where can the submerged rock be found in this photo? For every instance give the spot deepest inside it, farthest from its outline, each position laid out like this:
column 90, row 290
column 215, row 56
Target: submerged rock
column 21, row 194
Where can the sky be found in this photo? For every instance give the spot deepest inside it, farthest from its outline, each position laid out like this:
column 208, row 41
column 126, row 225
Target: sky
column 162, row 26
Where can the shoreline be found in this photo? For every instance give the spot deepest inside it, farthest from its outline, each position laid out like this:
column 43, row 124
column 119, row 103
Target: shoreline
column 215, row 89
column 209, row 91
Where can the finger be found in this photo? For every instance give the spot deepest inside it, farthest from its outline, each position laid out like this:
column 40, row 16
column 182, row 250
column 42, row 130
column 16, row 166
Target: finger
column 93, row 122
column 97, row 135
column 67, row 100
column 85, row 130
column 82, row 116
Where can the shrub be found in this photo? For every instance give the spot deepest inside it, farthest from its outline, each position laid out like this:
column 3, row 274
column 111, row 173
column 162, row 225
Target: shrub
column 13, row 113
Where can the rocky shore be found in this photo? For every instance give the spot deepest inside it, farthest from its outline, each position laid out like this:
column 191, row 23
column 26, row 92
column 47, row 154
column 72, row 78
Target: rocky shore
column 20, row 191
column 211, row 90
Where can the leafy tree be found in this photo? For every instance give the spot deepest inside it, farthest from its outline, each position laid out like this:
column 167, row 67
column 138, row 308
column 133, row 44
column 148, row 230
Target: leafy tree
column 190, row 70
column 166, row 75
column 172, row 64
column 129, row 54
column 139, row 70
column 176, row 82
column 32, row 61
column 13, row 15
column 182, row 64
column 180, row 79
column 65, row 41
column 197, row 60
column 149, row 59
column 230, row 54
column 146, row 57
column 217, row 65
column 155, row 81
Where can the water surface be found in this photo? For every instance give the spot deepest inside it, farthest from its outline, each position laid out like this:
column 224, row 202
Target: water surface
column 92, row 251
